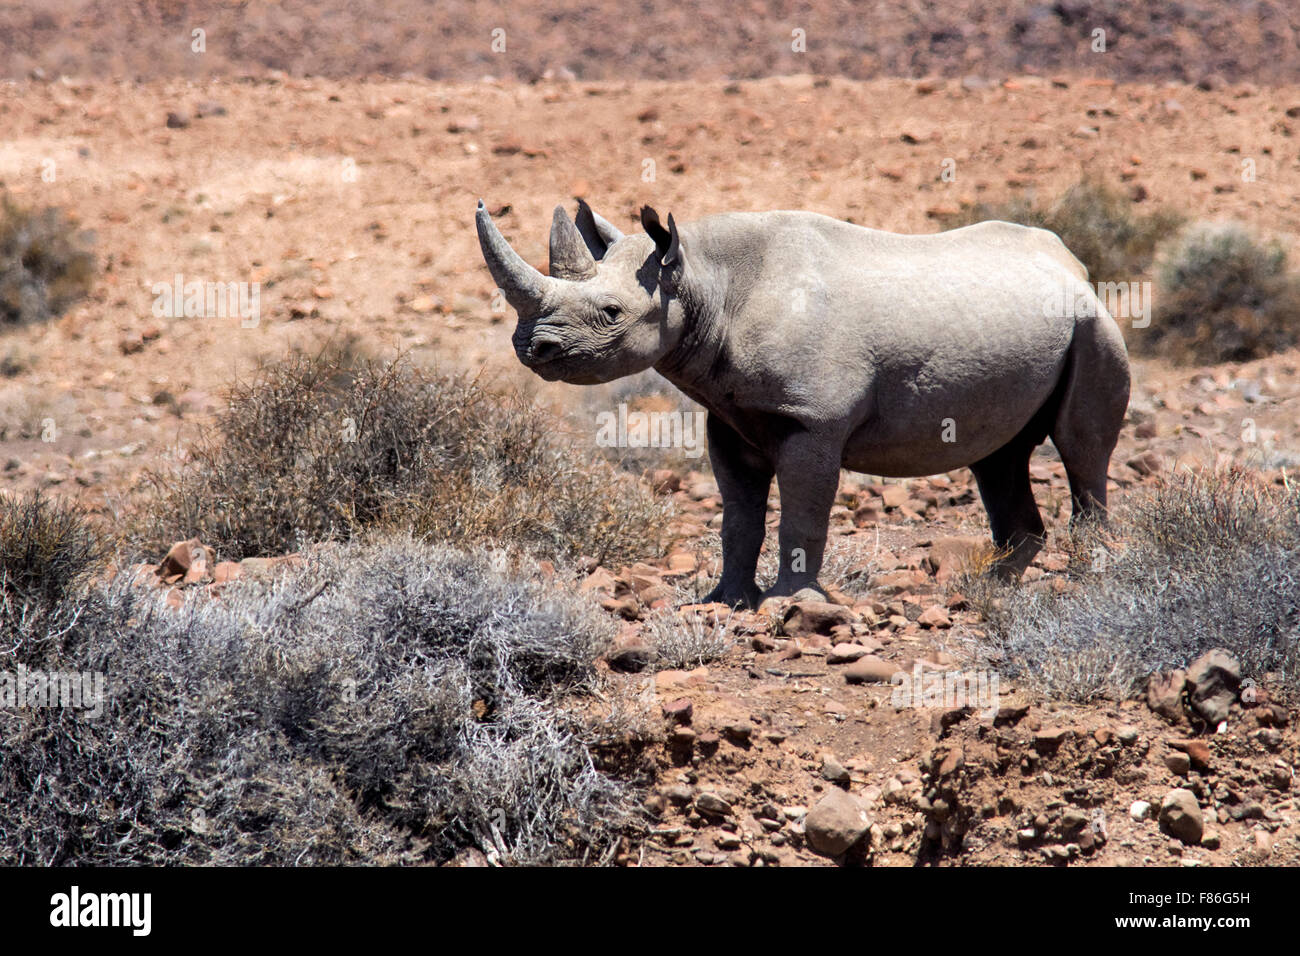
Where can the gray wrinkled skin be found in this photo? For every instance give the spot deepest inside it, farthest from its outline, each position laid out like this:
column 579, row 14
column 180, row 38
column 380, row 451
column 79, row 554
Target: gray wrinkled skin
column 818, row 345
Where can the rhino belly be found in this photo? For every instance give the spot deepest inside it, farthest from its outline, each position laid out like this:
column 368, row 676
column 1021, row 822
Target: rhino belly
column 949, row 414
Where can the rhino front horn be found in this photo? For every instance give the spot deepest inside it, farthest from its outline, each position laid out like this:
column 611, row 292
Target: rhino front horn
column 524, row 286
column 570, row 258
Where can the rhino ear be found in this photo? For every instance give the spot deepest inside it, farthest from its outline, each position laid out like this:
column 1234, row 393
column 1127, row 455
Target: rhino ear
column 597, row 232
column 666, row 240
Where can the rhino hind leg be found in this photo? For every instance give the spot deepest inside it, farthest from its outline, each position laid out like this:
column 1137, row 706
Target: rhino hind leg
column 1018, row 533
column 1003, row 481
column 1090, row 413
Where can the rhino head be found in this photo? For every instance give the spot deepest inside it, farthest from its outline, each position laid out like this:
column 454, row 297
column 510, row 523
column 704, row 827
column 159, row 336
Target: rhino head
column 608, row 307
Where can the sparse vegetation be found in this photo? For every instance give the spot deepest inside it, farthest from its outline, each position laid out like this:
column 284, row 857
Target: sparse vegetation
column 1223, row 295
column 1099, row 225
column 48, row 551
column 45, row 263
column 393, row 702
column 317, row 448
column 1209, row 559
column 684, row 642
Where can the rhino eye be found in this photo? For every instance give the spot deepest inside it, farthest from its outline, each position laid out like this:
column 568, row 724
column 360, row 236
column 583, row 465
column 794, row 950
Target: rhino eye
column 611, row 312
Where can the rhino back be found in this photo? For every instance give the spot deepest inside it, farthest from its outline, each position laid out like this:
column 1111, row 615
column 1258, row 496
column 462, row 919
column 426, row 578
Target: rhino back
column 890, row 337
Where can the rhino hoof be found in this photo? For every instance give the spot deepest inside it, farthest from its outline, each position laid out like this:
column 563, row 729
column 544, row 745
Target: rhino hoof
column 746, row 598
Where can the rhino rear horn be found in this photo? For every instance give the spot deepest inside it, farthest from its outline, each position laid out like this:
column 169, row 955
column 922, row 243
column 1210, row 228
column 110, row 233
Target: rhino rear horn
column 524, row 286
column 666, row 241
column 597, row 232
column 569, row 256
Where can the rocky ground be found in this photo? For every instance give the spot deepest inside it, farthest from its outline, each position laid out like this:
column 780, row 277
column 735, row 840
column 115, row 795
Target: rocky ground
column 1191, row 41
column 350, row 203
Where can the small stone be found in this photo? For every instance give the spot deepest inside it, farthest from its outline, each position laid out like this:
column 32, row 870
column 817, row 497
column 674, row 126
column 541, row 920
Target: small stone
column 679, row 711
column 1049, row 738
column 833, row 770
column 1179, row 764
column 1140, row 810
column 680, row 794
column 814, row 617
column 845, row 653
column 727, row 841
column 836, row 823
column 1212, row 683
column 870, row 669
column 935, row 616
column 1180, row 816
column 1164, row 694
column 712, row 805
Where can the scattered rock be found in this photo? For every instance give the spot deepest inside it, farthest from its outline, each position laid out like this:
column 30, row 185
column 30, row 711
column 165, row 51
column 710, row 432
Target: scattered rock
column 834, row 771
column 1212, row 683
column 935, row 616
column 1180, row 816
column 679, row 711
column 712, row 805
column 870, row 669
column 836, row 823
column 1179, row 764
column 814, row 617
column 845, row 653
column 1164, row 694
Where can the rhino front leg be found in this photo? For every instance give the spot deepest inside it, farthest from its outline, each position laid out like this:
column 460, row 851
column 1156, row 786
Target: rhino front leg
column 808, row 472
column 744, row 478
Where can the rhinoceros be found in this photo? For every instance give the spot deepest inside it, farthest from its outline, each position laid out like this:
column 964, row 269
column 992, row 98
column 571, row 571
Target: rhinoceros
column 815, row 345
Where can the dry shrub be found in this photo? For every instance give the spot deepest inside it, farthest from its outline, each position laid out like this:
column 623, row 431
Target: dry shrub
column 1096, row 223
column 683, row 642
column 45, row 263
column 1223, row 296
column 1208, row 559
column 316, row 448
column 48, row 550
column 392, row 702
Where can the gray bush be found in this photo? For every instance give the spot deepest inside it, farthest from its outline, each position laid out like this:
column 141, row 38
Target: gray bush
column 390, row 702
column 1224, row 296
column 1210, row 559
